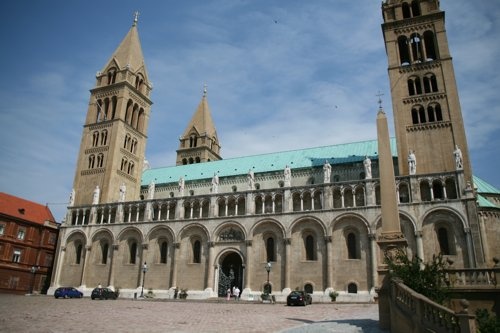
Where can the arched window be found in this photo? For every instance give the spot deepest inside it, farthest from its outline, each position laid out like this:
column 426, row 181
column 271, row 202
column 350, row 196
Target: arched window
column 124, row 164
column 430, row 83
column 415, row 8
column 414, row 116
column 111, row 75
column 184, row 161
column 130, row 170
column 128, row 113
column 104, row 253
column 434, row 112
column 78, row 253
column 404, row 193
column 163, row 252
column 352, row 288
column 352, row 246
column 421, row 115
column 437, row 189
column 132, row 252
column 406, row 10
column 404, row 52
column 193, row 141
column 360, row 196
column 191, row 161
column 451, row 188
column 197, row 160
column 95, row 139
column 337, row 198
column 430, row 46
column 100, row 160
column 270, row 254
column 310, row 246
column 197, row 252
column 348, row 199
column 91, row 161
column 308, row 288
column 425, row 191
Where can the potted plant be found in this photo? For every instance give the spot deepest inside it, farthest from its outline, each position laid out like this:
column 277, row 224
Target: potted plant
column 333, row 295
column 183, row 294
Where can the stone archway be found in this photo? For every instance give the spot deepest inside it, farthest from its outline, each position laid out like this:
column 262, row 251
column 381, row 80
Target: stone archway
column 230, row 273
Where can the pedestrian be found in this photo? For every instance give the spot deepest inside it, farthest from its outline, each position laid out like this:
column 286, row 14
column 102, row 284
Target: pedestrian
column 237, row 293
column 228, row 294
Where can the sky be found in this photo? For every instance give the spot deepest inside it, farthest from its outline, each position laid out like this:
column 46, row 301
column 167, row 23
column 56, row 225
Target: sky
column 280, row 74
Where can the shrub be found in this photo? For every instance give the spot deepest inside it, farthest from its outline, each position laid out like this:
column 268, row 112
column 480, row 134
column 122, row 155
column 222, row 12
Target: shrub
column 487, row 323
column 429, row 281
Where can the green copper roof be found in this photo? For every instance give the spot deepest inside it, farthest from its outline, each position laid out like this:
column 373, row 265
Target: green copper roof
column 484, row 187
column 485, row 203
column 295, row 159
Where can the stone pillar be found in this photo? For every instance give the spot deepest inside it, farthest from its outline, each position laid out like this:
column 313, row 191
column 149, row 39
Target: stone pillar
column 415, row 189
column 420, row 245
column 470, row 248
column 250, row 205
column 60, row 263
column 210, row 285
column 214, row 208
column 370, row 193
column 373, row 259
column 247, row 287
column 288, row 204
column 112, row 268
column 329, row 266
column 85, row 264
column 174, row 264
column 179, row 209
column 288, row 251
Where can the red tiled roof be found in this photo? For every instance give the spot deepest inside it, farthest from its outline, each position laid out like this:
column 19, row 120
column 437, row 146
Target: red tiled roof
column 24, row 209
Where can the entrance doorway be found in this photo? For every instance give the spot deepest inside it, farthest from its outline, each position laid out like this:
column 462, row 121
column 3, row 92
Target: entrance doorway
column 230, row 273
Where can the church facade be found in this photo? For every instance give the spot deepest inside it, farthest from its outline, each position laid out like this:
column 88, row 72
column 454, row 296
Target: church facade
column 306, row 219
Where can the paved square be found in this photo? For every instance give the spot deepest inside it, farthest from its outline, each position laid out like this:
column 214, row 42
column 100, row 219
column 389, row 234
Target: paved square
column 47, row 314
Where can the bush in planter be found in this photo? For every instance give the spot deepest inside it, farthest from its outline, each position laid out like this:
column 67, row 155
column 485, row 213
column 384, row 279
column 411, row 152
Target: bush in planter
column 265, row 296
column 333, row 295
column 183, row 294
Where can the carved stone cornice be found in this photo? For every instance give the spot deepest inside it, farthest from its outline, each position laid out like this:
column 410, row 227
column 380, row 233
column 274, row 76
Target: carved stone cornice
column 425, row 98
column 428, row 126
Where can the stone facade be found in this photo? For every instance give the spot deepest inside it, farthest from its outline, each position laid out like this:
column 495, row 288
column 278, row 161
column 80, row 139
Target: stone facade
column 318, row 234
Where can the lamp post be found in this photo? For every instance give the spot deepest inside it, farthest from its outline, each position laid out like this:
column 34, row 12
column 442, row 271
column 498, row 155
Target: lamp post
column 268, row 269
column 144, row 270
column 33, row 271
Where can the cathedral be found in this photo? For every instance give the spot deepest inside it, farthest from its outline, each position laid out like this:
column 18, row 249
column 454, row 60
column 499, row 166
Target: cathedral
column 307, row 219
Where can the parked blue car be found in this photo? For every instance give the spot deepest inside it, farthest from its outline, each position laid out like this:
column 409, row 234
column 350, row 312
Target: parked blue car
column 68, row 292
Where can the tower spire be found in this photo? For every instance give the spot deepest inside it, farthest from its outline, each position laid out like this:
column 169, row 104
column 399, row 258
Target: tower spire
column 136, row 18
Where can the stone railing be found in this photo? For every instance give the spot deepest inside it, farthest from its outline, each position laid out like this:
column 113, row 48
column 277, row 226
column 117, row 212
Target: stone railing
column 473, row 277
column 413, row 312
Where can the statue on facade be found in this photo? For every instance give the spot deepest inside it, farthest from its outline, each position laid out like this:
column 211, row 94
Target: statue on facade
column 367, row 163
column 146, row 165
column 71, row 198
column 123, row 191
column 181, row 186
column 288, row 176
column 97, row 194
column 459, row 162
column 251, row 180
column 215, row 183
column 327, row 172
column 151, row 190
column 412, row 163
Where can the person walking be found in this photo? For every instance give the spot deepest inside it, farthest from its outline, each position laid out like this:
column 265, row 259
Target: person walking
column 236, row 293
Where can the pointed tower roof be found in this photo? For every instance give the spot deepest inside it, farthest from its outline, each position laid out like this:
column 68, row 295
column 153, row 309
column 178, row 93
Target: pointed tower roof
column 202, row 120
column 129, row 52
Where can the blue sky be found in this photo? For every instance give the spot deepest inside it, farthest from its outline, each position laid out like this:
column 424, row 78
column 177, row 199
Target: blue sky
column 281, row 75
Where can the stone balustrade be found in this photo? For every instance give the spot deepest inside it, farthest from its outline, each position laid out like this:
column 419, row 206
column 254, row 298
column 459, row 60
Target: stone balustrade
column 413, row 312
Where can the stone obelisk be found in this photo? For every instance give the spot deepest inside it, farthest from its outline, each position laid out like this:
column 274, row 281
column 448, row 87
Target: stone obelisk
column 391, row 238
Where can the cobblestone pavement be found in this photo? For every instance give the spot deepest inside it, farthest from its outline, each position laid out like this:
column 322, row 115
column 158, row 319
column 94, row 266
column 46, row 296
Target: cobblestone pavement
column 46, row 314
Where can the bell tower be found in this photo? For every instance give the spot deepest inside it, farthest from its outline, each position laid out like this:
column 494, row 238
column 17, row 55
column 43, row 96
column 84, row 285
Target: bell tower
column 427, row 115
column 113, row 145
column 199, row 142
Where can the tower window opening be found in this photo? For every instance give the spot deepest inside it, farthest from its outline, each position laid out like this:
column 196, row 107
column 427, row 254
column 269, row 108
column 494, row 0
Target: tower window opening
column 430, row 46
column 404, row 52
column 416, row 48
column 415, row 8
column 406, row 10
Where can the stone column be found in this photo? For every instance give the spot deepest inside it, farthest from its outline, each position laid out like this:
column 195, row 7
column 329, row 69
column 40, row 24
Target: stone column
column 373, row 259
column 248, row 265
column 288, row 251
column 210, row 285
column 174, row 264
column 250, row 204
column 420, row 245
column 60, row 263
column 329, row 266
column 112, row 267
column 85, row 264
column 470, row 248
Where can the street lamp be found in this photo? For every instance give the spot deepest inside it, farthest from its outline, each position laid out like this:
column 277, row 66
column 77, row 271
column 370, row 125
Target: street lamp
column 33, row 271
column 144, row 270
column 268, row 269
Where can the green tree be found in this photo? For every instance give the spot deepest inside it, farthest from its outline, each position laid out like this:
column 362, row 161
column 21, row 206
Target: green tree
column 429, row 280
